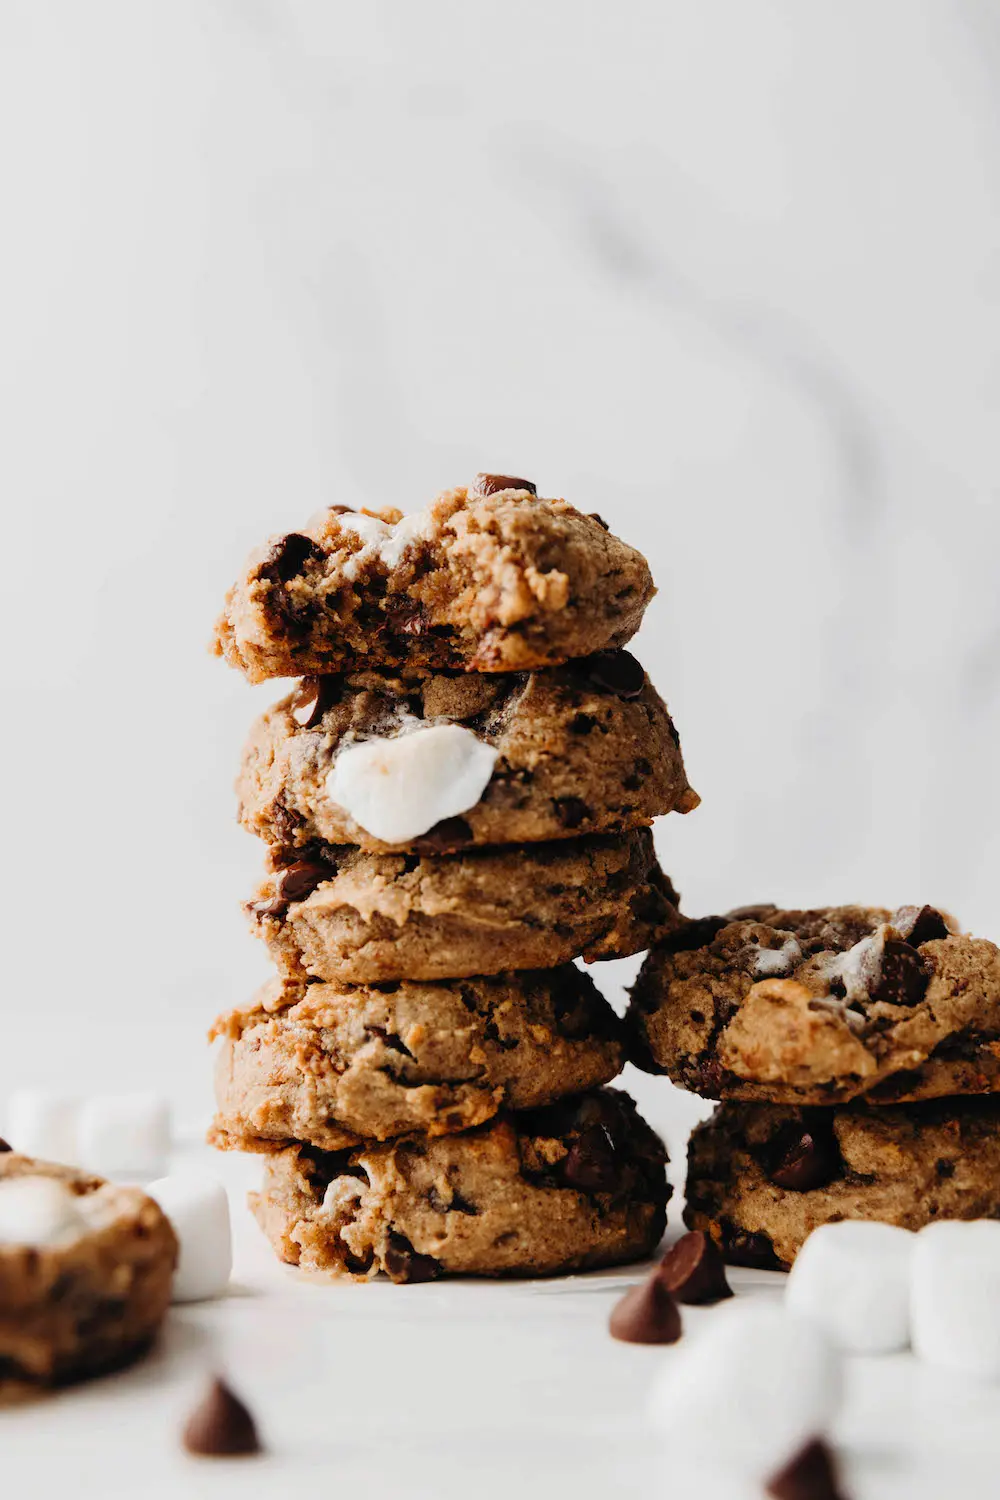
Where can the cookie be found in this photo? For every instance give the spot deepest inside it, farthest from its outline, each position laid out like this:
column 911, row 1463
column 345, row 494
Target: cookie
column 586, row 748
column 500, row 581
column 577, row 1185
column 332, row 1067
column 821, row 1007
column 358, row 918
column 85, row 1274
column 762, row 1177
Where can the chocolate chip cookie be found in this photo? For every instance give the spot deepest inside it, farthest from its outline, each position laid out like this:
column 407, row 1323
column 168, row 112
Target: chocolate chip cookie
column 586, row 748
column 85, row 1274
column 332, row 1066
column 491, row 579
column 357, row 918
column 762, row 1177
column 577, row 1185
column 820, row 1007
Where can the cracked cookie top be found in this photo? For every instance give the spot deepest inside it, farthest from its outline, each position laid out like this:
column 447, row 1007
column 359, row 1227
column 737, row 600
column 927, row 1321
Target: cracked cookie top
column 485, row 579
column 821, row 1006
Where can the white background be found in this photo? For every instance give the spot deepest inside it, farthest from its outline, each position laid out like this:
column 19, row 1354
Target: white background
column 727, row 272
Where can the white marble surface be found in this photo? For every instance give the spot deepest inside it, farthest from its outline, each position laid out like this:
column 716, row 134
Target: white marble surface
column 726, row 271
column 446, row 1391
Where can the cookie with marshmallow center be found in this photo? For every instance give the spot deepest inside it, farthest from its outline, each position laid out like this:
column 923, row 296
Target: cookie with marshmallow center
column 86, row 1269
column 451, row 761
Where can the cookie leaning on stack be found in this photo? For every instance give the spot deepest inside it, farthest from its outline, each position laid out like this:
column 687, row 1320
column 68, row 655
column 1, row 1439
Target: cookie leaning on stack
column 456, row 801
column 847, row 1045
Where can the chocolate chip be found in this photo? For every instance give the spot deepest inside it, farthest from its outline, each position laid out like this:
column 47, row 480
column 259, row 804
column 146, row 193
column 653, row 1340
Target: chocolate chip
column 592, row 1163
column 944, row 1168
column 308, row 702
column 299, row 880
column 404, row 1264
column 220, row 1426
column 456, row 1204
column 803, row 1157
column 695, row 934
column 288, row 556
column 647, row 1314
column 445, row 837
column 811, row 1475
column 491, row 484
column 593, row 516
column 571, row 811
column 616, row 672
column 275, row 907
column 693, row 1270
column 902, row 976
column 753, row 1250
column 4, row 1146
column 920, row 924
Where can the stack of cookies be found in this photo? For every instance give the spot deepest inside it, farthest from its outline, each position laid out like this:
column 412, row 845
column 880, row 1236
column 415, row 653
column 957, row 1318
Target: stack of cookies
column 857, row 1055
column 456, row 800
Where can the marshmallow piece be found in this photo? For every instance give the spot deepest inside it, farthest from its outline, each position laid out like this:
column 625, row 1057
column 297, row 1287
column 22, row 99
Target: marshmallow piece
column 44, row 1125
column 853, row 1278
column 397, row 789
column 125, row 1135
column 39, row 1211
column 955, row 1296
column 749, row 1391
column 197, row 1207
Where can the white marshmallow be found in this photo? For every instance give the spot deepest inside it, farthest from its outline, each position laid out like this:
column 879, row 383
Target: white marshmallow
column 397, row 789
column 197, row 1207
column 853, row 1278
column 955, row 1296
column 749, row 1391
column 125, row 1135
column 39, row 1211
column 44, row 1125
column 382, row 539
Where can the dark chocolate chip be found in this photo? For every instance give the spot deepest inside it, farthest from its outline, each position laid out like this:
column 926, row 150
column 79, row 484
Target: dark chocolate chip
column 308, row 702
column 695, row 934
column 754, row 1250
column 4, row 1146
column 275, row 907
column 571, row 811
column 404, row 1264
column 592, row 514
column 491, row 484
column 592, row 1164
column 288, row 556
column 456, row 1204
column 616, row 672
column 803, row 1157
column 406, row 617
column 445, row 837
column 299, row 880
column 810, row 1475
column 920, row 924
column 944, row 1168
column 220, row 1426
column 902, row 976
column 693, row 1270
column 647, row 1314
